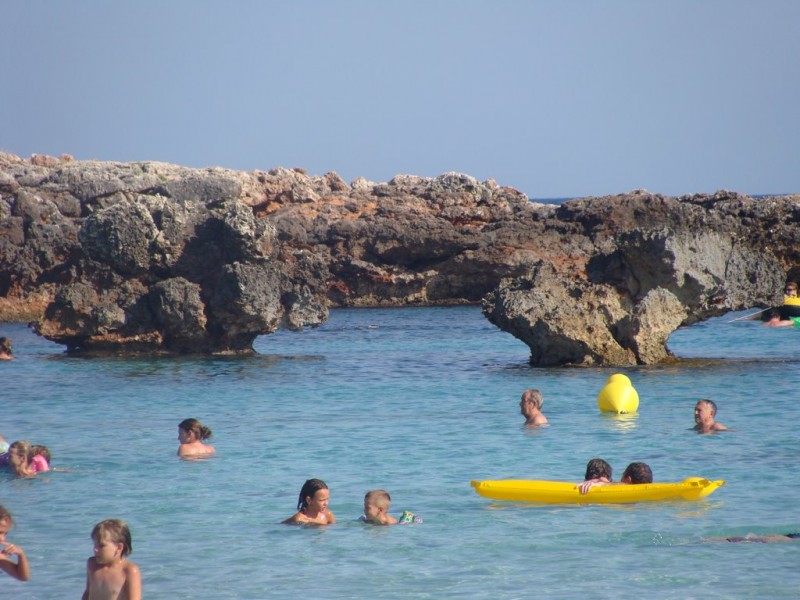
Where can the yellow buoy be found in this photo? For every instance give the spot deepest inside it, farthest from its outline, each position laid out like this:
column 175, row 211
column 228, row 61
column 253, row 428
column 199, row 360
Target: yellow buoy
column 618, row 396
column 619, row 377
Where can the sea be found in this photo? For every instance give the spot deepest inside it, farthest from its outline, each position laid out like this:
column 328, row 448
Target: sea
column 419, row 402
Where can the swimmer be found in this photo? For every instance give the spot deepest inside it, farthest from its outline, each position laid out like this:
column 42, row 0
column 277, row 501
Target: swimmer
column 599, row 469
column 191, row 434
column 18, row 568
column 24, row 462
column 6, row 352
column 376, row 508
column 704, row 413
column 635, row 473
column 109, row 574
column 312, row 505
column 774, row 320
column 530, row 405
column 761, row 539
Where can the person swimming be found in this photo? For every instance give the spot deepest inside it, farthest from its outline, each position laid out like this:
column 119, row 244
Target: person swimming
column 312, row 505
column 764, row 539
column 191, row 434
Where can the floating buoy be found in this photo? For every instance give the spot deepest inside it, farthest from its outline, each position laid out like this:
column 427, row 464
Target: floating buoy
column 619, row 377
column 618, row 396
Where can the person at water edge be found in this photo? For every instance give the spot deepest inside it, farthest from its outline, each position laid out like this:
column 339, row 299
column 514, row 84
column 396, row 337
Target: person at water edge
column 636, row 472
column 704, row 413
column 6, row 352
column 191, row 434
column 530, row 405
column 790, row 289
column 23, row 462
column 312, row 505
column 109, row 574
column 376, row 508
column 16, row 567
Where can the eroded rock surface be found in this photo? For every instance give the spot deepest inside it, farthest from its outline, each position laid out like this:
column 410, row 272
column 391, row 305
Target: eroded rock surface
column 143, row 256
column 150, row 258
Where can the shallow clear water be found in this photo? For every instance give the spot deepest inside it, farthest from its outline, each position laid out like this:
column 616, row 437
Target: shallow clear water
column 417, row 401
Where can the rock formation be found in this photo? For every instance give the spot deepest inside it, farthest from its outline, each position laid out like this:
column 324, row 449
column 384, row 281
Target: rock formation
column 149, row 256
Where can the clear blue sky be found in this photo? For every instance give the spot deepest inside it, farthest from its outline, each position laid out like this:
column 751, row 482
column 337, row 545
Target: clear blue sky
column 556, row 98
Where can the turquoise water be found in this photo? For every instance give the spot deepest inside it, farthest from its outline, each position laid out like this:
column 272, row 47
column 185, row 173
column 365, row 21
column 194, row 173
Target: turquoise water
column 418, row 401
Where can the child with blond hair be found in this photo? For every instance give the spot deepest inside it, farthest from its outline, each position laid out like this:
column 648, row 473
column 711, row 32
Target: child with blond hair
column 25, row 461
column 376, row 508
column 16, row 568
column 109, row 574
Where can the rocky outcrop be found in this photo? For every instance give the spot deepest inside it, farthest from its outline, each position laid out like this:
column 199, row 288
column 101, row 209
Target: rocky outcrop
column 658, row 263
column 151, row 258
column 143, row 256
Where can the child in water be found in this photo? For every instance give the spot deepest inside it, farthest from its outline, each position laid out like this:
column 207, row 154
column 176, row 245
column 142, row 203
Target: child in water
column 24, row 461
column 109, row 574
column 376, row 508
column 312, row 505
column 191, row 434
column 5, row 349
column 18, row 569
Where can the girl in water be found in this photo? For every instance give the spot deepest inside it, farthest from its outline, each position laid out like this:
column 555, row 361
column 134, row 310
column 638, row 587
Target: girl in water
column 312, row 505
column 19, row 568
column 24, row 462
column 191, row 434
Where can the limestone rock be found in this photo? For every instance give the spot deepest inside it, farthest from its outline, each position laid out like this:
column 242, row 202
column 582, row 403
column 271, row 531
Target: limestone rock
column 149, row 256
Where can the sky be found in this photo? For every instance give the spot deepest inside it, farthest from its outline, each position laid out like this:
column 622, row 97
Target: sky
column 556, row 98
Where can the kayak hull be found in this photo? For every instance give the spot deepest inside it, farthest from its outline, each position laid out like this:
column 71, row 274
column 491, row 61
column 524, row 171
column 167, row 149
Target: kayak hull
column 565, row 492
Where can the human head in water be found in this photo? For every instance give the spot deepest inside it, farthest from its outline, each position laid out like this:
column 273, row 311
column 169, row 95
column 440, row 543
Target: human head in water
column 637, row 473
column 309, row 491
column 6, row 352
column 194, row 426
column 597, row 468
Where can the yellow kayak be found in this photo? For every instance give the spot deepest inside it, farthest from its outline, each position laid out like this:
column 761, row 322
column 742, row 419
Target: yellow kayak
column 565, row 492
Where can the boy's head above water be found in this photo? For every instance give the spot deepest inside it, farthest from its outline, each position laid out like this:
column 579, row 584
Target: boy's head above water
column 376, row 507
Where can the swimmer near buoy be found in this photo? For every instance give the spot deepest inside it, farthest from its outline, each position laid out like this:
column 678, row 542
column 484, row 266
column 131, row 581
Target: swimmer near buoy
column 618, row 396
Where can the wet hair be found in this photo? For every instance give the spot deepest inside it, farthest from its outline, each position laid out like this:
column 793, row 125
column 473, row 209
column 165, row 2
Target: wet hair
column 22, row 447
column 638, row 473
column 534, row 396
column 712, row 404
column 379, row 498
column 115, row 531
column 5, row 515
column 43, row 450
column 194, row 426
column 310, row 487
column 597, row 468
column 5, row 345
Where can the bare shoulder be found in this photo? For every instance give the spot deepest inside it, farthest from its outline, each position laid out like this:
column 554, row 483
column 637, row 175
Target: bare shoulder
column 131, row 569
column 294, row 519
